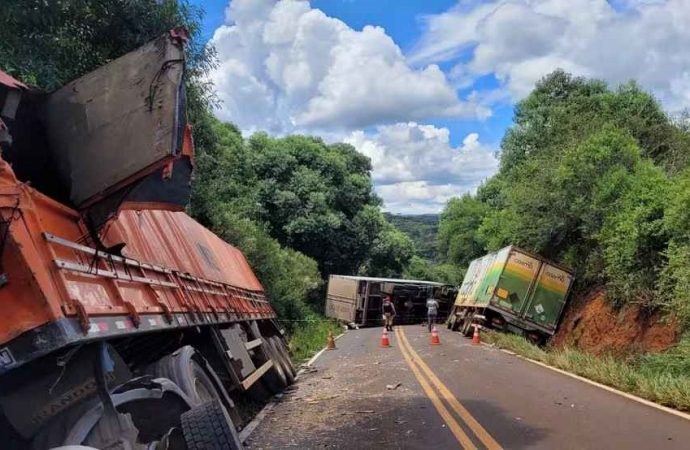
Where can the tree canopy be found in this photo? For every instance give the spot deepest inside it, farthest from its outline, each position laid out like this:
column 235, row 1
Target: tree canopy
column 589, row 177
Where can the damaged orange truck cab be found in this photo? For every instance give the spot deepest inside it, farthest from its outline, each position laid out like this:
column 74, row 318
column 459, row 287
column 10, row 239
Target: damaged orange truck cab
column 108, row 289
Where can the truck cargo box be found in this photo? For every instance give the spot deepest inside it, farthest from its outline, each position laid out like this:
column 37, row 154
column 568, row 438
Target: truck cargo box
column 528, row 291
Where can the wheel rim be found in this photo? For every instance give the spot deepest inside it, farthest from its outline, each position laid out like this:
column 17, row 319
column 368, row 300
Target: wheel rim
column 202, row 392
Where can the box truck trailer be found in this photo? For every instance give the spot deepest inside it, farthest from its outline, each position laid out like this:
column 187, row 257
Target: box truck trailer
column 512, row 290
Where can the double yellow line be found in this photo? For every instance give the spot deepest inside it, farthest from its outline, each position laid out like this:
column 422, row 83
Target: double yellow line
column 440, row 394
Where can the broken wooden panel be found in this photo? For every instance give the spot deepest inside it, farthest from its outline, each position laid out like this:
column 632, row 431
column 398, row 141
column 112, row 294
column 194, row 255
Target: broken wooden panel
column 119, row 123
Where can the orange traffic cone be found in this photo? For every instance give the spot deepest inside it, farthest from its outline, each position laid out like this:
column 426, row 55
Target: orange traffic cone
column 434, row 336
column 330, row 343
column 385, row 343
column 476, row 339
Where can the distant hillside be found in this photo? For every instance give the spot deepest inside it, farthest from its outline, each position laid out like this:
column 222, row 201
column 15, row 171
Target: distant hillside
column 422, row 228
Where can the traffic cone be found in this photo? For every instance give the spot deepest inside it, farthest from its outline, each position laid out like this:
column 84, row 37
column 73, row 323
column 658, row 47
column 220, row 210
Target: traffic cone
column 434, row 336
column 476, row 339
column 385, row 343
column 330, row 343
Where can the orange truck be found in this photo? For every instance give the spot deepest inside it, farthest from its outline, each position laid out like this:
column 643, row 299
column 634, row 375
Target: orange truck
column 124, row 324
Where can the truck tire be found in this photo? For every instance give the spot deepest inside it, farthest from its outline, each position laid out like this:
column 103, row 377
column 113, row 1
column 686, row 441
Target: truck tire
column 284, row 363
column 275, row 379
column 467, row 330
column 453, row 324
column 182, row 368
column 208, row 427
column 283, row 349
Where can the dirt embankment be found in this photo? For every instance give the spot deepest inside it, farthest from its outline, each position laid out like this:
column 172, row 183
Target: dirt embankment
column 593, row 325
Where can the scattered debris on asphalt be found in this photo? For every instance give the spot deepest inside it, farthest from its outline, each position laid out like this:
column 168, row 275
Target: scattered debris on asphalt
column 308, row 369
column 392, row 387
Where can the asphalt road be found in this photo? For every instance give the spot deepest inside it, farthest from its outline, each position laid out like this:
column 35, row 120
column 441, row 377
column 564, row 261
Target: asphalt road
column 456, row 395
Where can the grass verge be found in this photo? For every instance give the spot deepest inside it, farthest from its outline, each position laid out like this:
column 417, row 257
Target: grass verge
column 309, row 338
column 663, row 378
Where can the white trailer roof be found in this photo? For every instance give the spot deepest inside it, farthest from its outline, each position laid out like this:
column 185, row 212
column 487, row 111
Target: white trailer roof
column 390, row 280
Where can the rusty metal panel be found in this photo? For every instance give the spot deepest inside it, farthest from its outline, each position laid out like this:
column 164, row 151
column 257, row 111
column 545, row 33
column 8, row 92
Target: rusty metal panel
column 175, row 240
column 119, row 123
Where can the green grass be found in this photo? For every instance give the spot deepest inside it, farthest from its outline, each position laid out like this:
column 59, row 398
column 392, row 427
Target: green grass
column 663, row 378
column 310, row 336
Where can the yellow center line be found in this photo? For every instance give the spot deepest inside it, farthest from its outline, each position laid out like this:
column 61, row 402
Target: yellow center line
column 464, row 414
column 453, row 425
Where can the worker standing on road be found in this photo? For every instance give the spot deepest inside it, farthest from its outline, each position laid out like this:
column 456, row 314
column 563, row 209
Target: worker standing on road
column 388, row 313
column 432, row 311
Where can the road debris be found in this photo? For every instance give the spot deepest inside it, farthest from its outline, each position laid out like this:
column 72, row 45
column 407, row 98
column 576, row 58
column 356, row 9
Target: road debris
column 392, row 387
column 367, row 411
column 308, row 369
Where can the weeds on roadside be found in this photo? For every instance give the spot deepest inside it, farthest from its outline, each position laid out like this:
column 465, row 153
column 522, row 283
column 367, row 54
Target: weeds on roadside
column 310, row 336
column 663, row 378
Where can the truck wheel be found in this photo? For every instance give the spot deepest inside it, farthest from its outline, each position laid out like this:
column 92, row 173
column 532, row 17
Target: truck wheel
column 280, row 360
column 188, row 374
column 455, row 325
column 467, row 330
column 288, row 367
column 208, row 427
column 275, row 379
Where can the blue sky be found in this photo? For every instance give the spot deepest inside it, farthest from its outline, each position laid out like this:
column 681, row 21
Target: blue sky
column 402, row 21
column 426, row 89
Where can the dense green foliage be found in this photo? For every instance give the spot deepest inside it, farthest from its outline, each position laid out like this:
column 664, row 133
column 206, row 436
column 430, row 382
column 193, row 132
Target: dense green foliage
column 421, row 228
column 591, row 177
column 423, row 269
column 48, row 43
column 306, row 195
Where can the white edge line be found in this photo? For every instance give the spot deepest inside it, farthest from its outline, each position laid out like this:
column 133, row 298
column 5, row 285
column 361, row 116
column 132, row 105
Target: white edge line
column 249, row 429
column 635, row 398
column 315, row 357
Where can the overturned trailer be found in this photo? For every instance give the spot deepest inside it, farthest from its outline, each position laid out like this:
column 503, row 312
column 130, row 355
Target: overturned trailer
column 358, row 300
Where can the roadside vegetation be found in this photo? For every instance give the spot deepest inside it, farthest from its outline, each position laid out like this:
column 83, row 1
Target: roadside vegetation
column 663, row 378
column 598, row 179
column 594, row 178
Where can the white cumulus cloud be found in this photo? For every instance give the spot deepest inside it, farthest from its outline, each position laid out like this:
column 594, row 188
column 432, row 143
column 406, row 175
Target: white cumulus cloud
column 416, row 169
column 519, row 41
column 285, row 66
